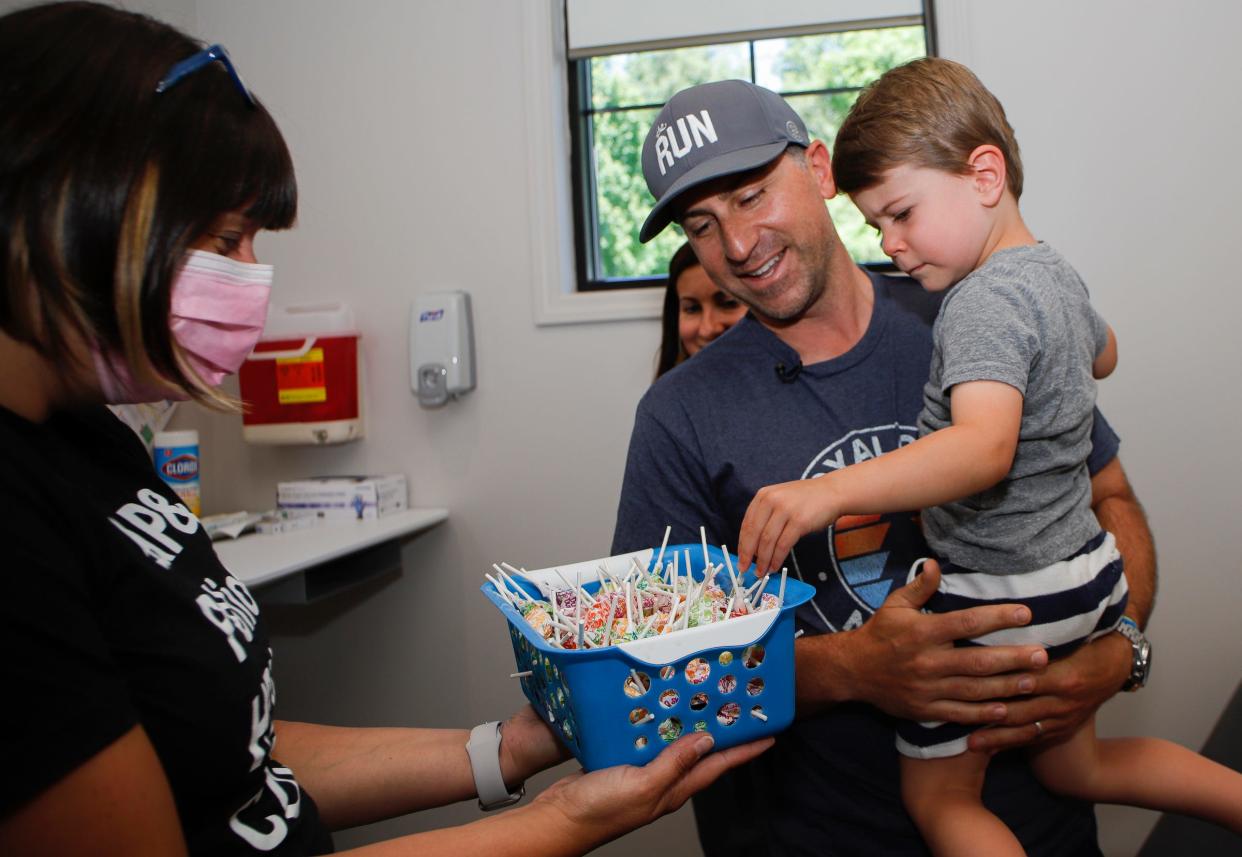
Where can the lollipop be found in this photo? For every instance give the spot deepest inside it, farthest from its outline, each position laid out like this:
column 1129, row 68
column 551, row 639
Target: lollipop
column 639, row 604
column 537, row 616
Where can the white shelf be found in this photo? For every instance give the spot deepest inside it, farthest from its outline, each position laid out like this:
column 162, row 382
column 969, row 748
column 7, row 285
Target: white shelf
column 261, row 559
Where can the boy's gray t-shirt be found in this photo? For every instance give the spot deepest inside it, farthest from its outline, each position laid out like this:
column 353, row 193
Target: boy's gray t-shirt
column 1023, row 318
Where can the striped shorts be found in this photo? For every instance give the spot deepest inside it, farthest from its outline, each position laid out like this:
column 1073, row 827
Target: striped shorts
column 1072, row 602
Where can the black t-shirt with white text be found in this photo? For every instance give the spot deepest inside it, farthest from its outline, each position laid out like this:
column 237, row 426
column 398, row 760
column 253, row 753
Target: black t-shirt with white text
column 116, row 613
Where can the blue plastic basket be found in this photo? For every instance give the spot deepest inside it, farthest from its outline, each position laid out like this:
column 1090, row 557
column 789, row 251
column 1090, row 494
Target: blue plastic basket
column 714, row 678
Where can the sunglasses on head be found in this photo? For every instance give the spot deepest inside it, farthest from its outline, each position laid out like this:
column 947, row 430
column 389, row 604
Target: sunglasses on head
column 216, row 53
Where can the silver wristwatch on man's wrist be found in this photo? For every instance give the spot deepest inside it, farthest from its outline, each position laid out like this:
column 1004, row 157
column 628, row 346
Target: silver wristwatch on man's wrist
column 1140, row 658
column 483, row 748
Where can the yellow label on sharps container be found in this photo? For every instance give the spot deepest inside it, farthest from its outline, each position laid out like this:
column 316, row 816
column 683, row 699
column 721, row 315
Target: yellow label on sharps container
column 301, row 379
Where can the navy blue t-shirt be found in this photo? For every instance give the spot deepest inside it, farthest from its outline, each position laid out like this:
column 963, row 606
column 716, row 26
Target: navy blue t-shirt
column 715, row 430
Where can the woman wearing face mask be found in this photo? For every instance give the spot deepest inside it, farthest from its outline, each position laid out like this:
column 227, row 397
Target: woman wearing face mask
column 135, row 171
column 696, row 311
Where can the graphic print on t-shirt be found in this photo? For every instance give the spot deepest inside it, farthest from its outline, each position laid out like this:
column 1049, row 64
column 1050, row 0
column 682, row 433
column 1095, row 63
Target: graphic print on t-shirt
column 146, row 524
column 264, row 820
column 864, row 557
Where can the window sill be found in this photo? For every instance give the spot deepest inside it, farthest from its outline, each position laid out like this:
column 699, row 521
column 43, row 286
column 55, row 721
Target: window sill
column 555, row 298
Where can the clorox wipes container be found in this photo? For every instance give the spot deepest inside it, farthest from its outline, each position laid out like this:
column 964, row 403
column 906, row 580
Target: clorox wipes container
column 176, row 462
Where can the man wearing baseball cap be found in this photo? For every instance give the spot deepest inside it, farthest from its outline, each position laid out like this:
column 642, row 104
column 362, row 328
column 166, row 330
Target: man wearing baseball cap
column 826, row 370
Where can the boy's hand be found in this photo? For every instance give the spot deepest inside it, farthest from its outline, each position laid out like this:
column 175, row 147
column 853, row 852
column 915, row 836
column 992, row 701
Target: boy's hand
column 779, row 516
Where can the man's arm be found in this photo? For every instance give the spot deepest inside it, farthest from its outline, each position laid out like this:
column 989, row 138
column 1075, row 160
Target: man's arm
column 1070, row 690
column 1119, row 512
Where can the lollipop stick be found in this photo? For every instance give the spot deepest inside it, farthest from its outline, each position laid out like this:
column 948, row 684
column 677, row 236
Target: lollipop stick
column 612, row 606
column 500, row 590
column 780, row 595
column 660, row 558
column 732, row 579
column 543, row 590
column 516, row 587
column 578, row 605
column 703, row 538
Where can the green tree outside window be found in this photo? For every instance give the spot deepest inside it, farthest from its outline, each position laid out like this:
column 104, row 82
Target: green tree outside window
column 819, row 75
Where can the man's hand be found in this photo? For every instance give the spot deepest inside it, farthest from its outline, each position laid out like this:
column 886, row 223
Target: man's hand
column 1065, row 695
column 903, row 661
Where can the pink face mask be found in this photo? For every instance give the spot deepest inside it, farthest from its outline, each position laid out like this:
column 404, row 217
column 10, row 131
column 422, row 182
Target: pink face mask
column 219, row 307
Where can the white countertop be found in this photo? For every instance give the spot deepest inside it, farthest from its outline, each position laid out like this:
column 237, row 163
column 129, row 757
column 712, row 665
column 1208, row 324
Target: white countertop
column 256, row 559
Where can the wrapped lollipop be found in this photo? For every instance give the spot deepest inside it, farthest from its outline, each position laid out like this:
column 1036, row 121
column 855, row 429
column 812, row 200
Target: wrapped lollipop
column 669, row 730
column 538, row 617
column 702, row 612
column 596, row 616
column 648, row 601
column 566, row 601
column 663, row 601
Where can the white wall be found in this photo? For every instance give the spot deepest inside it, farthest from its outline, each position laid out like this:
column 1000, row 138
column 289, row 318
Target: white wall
column 406, row 123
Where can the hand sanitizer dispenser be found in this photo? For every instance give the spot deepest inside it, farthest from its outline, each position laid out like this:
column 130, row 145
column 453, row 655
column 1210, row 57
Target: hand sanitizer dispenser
column 441, row 347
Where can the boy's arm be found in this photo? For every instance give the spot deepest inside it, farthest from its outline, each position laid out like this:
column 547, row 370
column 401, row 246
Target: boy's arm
column 972, row 454
column 1106, row 362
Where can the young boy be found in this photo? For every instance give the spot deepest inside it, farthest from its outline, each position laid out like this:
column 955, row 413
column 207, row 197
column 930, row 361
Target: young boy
column 1000, row 466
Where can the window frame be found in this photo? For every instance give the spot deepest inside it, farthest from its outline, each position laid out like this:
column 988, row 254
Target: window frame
column 582, row 149
column 553, row 282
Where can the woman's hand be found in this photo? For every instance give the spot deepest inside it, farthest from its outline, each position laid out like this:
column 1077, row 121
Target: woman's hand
column 605, row 804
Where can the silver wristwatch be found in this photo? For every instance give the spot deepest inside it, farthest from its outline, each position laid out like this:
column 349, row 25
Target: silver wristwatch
column 483, row 748
column 1140, row 662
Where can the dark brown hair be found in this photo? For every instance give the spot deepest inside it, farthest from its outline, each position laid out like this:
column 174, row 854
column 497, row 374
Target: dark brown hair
column 104, row 183
column 671, row 351
column 932, row 113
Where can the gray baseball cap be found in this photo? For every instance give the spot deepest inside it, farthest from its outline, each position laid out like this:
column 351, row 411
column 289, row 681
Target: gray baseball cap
column 713, row 130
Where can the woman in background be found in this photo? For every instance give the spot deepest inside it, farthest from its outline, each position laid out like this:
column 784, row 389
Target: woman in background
column 696, row 311
column 135, row 172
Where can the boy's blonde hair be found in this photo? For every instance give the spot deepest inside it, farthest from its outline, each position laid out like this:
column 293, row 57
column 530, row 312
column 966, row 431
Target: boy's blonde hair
column 931, row 113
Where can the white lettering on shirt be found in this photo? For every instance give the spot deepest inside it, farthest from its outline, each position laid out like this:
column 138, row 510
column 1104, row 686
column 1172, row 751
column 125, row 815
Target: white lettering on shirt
column 264, row 834
column 860, row 445
column 145, row 524
column 262, row 735
column 232, row 609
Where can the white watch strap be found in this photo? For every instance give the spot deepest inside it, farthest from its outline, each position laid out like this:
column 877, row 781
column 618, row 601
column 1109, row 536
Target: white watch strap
column 483, row 748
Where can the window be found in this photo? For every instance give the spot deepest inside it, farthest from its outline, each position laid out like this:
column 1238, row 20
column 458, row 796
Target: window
column 615, row 93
